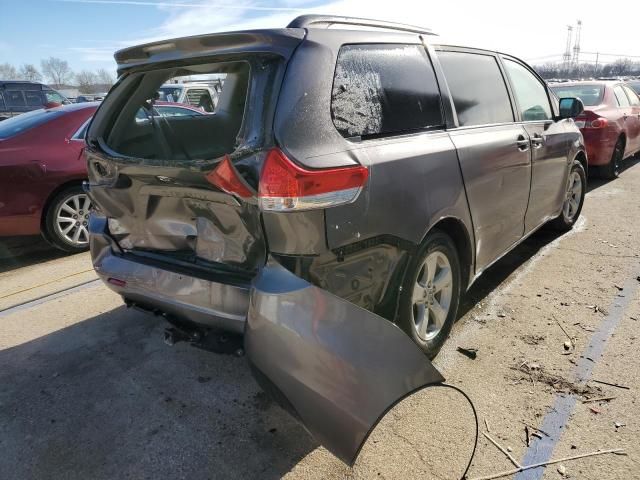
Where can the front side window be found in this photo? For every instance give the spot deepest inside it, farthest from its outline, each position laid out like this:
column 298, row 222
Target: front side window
column 384, row 89
column 2, row 105
column 34, row 99
column 621, row 97
column 15, row 98
column 54, row 97
column 477, row 87
column 530, row 93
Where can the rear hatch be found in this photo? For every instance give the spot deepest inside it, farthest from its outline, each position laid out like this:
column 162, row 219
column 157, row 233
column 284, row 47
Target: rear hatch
column 182, row 188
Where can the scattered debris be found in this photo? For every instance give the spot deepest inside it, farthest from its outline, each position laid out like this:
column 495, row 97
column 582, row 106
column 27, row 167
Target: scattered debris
column 584, row 327
column 597, row 309
column 533, row 339
column 562, row 470
column 599, row 399
column 501, row 315
column 619, row 287
column 619, row 425
column 594, row 410
column 617, row 385
column 558, row 383
column 486, row 424
column 471, row 353
column 503, row 450
column 537, row 435
column 526, row 435
column 568, row 345
column 572, row 344
column 616, row 451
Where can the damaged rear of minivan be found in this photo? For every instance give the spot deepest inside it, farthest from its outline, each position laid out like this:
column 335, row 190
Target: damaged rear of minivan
column 259, row 218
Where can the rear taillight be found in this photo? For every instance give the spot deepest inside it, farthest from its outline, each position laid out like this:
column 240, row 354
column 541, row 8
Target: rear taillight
column 227, row 179
column 591, row 120
column 284, row 186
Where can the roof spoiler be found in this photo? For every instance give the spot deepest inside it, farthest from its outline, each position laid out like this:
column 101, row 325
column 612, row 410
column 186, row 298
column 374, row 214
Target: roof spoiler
column 326, row 21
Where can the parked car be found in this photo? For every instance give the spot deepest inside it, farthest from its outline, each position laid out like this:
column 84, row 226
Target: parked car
column 41, row 174
column 610, row 123
column 196, row 94
column 351, row 177
column 17, row 97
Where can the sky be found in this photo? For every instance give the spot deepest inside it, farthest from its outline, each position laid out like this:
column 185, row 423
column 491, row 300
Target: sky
column 86, row 33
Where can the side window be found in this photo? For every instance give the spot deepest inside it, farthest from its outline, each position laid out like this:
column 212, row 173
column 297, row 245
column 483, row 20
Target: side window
column 2, row 105
column 634, row 100
column 34, row 99
column 54, row 97
column 530, row 93
column 478, row 89
column 621, row 98
column 14, row 98
column 384, row 89
column 200, row 97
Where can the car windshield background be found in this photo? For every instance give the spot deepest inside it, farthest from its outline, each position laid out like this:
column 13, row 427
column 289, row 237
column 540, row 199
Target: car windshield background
column 478, row 88
column 22, row 123
column 141, row 130
column 384, row 89
column 530, row 93
column 591, row 95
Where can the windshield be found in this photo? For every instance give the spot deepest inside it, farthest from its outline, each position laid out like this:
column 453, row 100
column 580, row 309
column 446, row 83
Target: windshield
column 20, row 124
column 169, row 94
column 635, row 86
column 590, row 95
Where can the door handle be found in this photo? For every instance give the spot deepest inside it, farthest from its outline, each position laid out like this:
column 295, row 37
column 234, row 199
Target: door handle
column 537, row 141
column 522, row 143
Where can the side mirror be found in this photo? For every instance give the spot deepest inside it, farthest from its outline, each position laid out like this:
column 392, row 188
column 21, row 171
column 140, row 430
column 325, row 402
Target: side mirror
column 570, row 107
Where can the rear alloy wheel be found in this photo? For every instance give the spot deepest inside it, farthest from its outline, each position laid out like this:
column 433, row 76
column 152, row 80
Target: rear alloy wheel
column 67, row 220
column 614, row 167
column 573, row 198
column 431, row 293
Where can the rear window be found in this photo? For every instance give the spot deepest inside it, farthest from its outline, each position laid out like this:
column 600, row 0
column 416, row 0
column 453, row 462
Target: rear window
column 22, row 123
column 621, row 97
column 478, row 88
column 591, row 95
column 169, row 94
column 140, row 129
column 384, row 89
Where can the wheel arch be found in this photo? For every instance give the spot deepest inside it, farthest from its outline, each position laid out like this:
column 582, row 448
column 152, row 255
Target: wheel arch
column 581, row 156
column 45, row 207
column 457, row 230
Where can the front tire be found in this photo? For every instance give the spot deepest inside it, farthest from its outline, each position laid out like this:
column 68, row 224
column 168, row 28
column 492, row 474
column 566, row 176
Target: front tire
column 431, row 293
column 574, row 198
column 67, row 219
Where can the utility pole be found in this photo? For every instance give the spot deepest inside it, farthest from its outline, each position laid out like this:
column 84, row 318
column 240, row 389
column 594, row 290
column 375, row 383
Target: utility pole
column 595, row 71
column 576, row 46
column 566, row 57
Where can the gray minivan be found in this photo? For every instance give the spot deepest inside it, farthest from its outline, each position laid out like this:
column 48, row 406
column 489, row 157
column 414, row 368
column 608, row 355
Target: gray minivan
column 356, row 176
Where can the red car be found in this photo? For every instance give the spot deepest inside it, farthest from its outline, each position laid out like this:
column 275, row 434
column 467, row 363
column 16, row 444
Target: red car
column 41, row 174
column 610, row 123
column 42, row 170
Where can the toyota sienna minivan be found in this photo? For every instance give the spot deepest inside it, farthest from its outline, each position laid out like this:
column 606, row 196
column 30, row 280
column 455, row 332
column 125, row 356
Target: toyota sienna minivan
column 356, row 176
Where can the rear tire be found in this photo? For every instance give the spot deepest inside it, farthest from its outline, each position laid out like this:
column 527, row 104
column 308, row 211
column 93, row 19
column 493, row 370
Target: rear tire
column 612, row 170
column 574, row 198
column 431, row 293
column 67, row 219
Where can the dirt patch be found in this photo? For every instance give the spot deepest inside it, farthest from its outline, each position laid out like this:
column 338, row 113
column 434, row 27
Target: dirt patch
column 536, row 374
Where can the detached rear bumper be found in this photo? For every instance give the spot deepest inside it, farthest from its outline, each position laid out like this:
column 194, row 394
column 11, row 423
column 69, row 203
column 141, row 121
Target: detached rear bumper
column 201, row 301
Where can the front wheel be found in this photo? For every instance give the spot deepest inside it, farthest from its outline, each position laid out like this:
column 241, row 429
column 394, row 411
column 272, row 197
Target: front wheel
column 431, row 293
column 573, row 199
column 67, row 219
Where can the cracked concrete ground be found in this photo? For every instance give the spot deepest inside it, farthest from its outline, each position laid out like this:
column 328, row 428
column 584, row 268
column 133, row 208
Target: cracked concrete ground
column 89, row 390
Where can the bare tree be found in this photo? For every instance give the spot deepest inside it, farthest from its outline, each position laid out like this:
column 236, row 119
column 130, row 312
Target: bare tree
column 30, row 72
column 621, row 66
column 8, row 72
column 86, row 81
column 57, row 71
column 105, row 78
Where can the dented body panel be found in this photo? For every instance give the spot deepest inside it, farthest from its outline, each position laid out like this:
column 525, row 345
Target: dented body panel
column 336, row 367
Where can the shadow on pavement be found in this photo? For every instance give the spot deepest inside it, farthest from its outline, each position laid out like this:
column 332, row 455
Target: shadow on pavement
column 106, row 398
column 18, row 252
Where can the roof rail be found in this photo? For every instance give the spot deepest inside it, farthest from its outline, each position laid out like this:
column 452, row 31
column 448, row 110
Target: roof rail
column 309, row 21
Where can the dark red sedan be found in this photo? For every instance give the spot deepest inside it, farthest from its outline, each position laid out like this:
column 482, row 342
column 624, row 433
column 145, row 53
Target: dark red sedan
column 41, row 174
column 42, row 170
column 610, row 123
